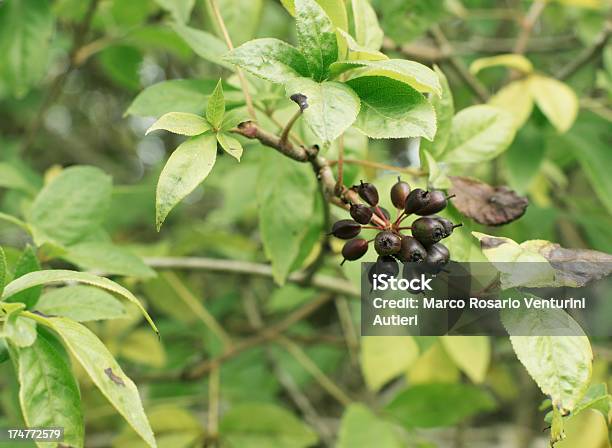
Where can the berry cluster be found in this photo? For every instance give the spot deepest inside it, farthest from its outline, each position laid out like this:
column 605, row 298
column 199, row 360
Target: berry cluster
column 390, row 243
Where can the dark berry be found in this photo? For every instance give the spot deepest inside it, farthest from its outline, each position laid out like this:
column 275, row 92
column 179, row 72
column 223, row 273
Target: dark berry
column 354, row 249
column 386, row 265
column 399, row 193
column 387, row 243
column 368, row 193
column 346, row 229
column 428, row 230
column 416, row 200
column 437, row 255
column 411, row 250
column 448, row 225
column 361, row 213
column 437, row 202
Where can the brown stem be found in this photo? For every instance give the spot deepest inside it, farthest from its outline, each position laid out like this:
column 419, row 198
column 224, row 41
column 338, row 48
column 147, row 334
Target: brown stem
column 527, row 25
column 340, row 181
column 287, row 129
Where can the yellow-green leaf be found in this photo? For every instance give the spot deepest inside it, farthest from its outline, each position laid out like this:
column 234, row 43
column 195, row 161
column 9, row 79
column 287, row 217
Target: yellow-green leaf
column 384, row 358
column 516, row 99
column 471, row 354
column 215, row 110
column 556, row 100
column 230, row 145
column 514, row 61
column 181, row 123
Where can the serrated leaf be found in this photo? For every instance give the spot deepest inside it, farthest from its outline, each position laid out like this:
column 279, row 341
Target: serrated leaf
column 361, row 428
column 444, row 107
column 392, row 109
column 20, row 330
column 335, row 9
column 216, row 107
column 270, row 59
column 472, row 354
column 479, row 133
column 205, row 45
column 331, row 106
column 27, row 262
column 383, row 359
column 316, row 37
column 108, row 258
column 73, row 204
column 514, row 61
column 186, row 168
column 285, row 198
column 48, row 392
column 105, row 372
column 434, row 405
column 181, row 123
column 556, row 100
column 358, row 52
column 180, row 9
column 81, row 303
column 230, row 145
column 367, row 30
column 64, row 276
column 26, row 28
column 560, row 365
column 416, row 75
column 252, row 425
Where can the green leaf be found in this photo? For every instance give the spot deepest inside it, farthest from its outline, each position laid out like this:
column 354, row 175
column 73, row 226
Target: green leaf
column 514, row 61
column 316, row 37
column 433, row 405
column 597, row 398
column 515, row 99
column 73, row 204
column 255, row 425
column 392, row 109
column 121, row 63
column 105, row 372
column 48, row 392
column 405, row 20
column 230, row 145
column 181, row 123
column 3, row 270
column 270, row 59
column 560, row 365
column 64, row 276
column 205, row 45
column 436, row 176
column 285, row 198
column 27, row 262
column 335, row 10
column 361, row 428
column 479, row 133
column 26, row 28
column 15, row 221
column 20, row 330
column 367, row 30
column 358, row 52
column 555, row 99
column 384, row 358
column 332, row 106
column 180, row 9
column 418, row 76
column 186, row 168
column 142, row 347
column 234, row 117
column 444, row 107
column 81, row 303
column 216, row 107
column 108, row 258
column 472, row 354
column 242, row 18
column 177, row 95
column 13, row 178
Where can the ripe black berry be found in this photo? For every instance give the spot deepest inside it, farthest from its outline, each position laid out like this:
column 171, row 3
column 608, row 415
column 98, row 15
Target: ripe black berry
column 354, row 249
column 346, row 229
column 386, row 265
column 448, row 225
column 361, row 213
column 437, row 202
column 428, row 231
column 387, row 243
column 411, row 250
column 437, row 255
column 416, row 200
column 368, row 193
column 399, row 193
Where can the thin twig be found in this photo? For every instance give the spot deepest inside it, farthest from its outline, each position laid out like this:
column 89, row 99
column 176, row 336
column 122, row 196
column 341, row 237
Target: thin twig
column 340, row 163
column 228, row 41
column 348, row 329
column 472, row 82
column 287, row 129
column 324, row 282
column 214, row 381
column 588, row 54
column 527, row 25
